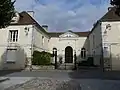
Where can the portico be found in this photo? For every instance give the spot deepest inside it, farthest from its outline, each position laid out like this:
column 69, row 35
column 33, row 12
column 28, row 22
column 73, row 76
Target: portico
column 67, row 44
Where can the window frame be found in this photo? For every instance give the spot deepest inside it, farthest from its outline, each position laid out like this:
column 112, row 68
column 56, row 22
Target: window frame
column 13, row 35
column 83, row 53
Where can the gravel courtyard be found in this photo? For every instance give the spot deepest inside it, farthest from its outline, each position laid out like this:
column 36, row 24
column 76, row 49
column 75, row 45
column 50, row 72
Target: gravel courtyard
column 47, row 84
column 60, row 80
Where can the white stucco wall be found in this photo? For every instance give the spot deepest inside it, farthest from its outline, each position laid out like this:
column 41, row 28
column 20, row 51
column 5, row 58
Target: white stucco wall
column 112, row 42
column 39, row 44
column 95, row 44
column 24, row 45
column 62, row 43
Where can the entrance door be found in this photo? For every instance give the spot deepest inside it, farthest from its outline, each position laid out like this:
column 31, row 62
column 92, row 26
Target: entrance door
column 68, row 55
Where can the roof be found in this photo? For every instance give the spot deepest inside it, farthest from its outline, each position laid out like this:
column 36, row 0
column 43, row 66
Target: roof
column 110, row 16
column 81, row 34
column 26, row 19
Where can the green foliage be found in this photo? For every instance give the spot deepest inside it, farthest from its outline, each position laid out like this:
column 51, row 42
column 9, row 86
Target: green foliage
column 89, row 62
column 41, row 58
column 6, row 12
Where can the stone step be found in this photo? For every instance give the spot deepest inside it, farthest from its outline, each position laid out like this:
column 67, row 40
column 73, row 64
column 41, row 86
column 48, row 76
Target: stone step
column 66, row 66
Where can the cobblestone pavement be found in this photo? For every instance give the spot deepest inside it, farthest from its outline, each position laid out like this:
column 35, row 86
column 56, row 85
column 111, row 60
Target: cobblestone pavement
column 47, row 84
column 60, row 80
column 68, row 84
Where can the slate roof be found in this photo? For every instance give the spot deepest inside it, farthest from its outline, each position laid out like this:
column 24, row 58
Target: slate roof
column 110, row 16
column 26, row 19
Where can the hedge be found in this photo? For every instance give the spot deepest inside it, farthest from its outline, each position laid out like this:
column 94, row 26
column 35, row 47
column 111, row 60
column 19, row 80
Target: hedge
column 41, row 58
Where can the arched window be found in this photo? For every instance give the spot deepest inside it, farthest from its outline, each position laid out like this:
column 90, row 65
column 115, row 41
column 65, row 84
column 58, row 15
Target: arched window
column 83, row 53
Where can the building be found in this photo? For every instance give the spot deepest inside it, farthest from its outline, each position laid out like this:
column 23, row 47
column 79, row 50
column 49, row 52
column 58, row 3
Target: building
column 24, row 36
column 105, row 41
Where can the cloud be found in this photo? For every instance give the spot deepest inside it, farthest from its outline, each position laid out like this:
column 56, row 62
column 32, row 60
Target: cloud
column 61, row 15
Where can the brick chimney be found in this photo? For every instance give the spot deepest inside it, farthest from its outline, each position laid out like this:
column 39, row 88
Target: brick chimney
column 109, row 8
column 45, row 27
column 31, row 13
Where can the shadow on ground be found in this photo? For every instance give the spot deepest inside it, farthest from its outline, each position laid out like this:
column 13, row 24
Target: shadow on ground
column 86, row 73
column 6, row 72
column 94, row 73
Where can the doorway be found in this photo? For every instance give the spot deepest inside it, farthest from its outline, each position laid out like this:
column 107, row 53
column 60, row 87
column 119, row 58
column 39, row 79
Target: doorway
column 68, row 54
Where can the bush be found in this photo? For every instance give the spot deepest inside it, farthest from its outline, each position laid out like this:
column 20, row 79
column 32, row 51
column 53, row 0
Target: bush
column 90, row 61
column 41, row 58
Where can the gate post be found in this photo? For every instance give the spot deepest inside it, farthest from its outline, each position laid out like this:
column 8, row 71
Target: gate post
column 55, row 56
column 75, row 63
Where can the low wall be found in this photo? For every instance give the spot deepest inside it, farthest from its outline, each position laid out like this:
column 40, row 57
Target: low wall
column 36, row 67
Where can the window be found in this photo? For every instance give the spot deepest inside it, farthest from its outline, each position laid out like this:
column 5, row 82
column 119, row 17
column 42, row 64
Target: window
column 83, row 53
column 106, row 52
column 11, row 56
column 42, row 40
column 13, row 35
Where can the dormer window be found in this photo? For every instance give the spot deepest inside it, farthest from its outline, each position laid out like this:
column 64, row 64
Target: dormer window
column 15, row 19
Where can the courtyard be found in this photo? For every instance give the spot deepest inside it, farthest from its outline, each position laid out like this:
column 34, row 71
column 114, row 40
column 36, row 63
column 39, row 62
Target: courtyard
column 83, row 79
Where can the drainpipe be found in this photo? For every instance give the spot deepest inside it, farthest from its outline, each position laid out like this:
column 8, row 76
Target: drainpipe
column 32, row 47
column 102, row 52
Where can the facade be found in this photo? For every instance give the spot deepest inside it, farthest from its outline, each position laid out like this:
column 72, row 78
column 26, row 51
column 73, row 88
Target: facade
column 24, row 36
column 105, row 41
column 67, row 44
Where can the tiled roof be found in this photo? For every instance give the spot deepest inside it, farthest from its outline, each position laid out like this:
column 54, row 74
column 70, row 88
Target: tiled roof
column 81, row 34
column 110, row 16
column 26, row 19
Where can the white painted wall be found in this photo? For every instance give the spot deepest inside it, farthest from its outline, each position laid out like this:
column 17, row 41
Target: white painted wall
column 23, row 50
column 62, row 43
column 95, row 44
column 112, row 41
column 39, row 44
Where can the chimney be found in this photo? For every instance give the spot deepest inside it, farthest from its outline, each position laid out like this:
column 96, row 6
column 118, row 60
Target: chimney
column 45, row 27
column 31, row 13
column 109, row 8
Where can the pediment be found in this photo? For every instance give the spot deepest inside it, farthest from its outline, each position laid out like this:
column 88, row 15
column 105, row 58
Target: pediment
column 68, row 34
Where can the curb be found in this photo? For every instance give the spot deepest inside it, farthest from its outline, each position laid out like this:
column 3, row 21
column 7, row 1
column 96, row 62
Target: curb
column 2, row 79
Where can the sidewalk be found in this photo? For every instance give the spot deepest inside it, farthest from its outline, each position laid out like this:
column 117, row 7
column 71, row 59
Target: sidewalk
column 2, row 79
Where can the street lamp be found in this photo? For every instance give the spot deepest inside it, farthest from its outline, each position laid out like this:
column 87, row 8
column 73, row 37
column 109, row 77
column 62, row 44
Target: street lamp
column 55, row 56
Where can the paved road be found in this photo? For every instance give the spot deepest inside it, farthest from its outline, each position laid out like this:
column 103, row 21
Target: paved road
column 88, row 79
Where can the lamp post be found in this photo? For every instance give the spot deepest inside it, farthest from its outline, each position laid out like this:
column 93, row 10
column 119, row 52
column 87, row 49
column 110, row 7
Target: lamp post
column 75, row 63
column 55, row 56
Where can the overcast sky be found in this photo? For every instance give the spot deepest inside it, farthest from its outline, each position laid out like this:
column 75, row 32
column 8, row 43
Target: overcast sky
column 63, row 15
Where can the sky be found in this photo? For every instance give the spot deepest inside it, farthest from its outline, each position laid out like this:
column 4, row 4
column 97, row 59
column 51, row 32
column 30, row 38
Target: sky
column 64, row 15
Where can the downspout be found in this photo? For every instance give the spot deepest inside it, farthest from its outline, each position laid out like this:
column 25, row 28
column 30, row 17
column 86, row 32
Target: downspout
column 32, row 43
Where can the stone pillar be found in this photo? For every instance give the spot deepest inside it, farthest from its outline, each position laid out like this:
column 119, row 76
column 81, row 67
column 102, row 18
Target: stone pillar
column 29, row 64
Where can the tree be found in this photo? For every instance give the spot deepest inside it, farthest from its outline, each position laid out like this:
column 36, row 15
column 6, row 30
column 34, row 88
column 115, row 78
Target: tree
column 116, row 3
column 6, row 12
